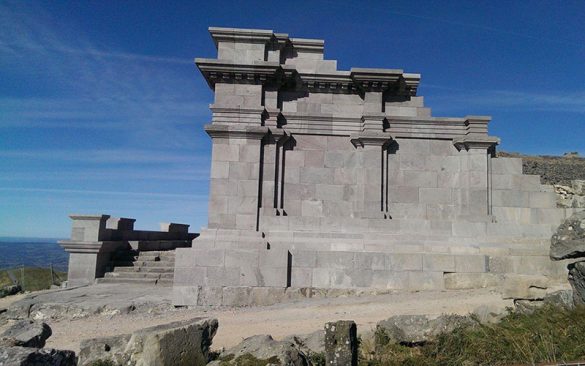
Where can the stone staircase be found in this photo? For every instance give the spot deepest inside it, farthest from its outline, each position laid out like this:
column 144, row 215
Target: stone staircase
column 145, row 267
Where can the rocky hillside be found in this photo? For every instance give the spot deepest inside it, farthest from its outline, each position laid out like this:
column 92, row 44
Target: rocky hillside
column 566, row 173
column 552, row 169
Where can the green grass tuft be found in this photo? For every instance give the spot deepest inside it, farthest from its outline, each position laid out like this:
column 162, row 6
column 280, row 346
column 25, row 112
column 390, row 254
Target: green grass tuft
column 34, row 278
column 247, row 360
column 550, row 334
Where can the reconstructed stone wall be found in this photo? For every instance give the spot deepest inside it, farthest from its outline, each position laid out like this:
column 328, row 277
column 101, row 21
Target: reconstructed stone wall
column 344, row 179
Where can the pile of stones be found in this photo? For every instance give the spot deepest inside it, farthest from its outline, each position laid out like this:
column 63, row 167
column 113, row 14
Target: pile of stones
column 569, row 242
column 22, row 345
column 571, row 196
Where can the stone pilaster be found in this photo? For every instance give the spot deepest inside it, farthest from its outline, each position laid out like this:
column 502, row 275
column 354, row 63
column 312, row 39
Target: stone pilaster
column 373, row 176
column 236, row 176
column 476, row 153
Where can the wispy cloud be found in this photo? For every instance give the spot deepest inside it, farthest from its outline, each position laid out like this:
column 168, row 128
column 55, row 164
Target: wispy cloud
column 153, row 195
column 94, row 87
column 118, row 156
column 568, row 102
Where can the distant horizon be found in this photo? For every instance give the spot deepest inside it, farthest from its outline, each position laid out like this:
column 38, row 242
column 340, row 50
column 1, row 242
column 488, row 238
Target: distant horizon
column 103, row 109
column 34, row 238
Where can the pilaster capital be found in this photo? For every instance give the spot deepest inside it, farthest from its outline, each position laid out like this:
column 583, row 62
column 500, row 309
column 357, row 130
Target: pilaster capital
column 475, row 142
column 371, row 139
column 236, row 132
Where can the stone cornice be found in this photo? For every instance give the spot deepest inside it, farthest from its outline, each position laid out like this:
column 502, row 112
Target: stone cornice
column 236, row 132
column 258, row 72
column 475, row 142
column 371, row 139
column 306, row 45
column 236, row 35
column 339, row 81
column 385, row 79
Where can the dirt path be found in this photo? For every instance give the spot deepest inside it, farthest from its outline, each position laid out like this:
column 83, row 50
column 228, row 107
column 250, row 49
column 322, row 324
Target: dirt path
column 281, row 320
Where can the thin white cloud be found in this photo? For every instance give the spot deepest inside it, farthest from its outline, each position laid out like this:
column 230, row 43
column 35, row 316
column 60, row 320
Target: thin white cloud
column 152, row 195
column 95, row 87
column 103, row 156
column 568, row 102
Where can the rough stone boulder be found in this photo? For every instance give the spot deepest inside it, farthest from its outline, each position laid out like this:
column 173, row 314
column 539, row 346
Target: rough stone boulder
column 525, row 287
column 9, row 290
column 416, row 329
column 341, row 343
column 263, row 347
column 26, row 333
column 174, row 344
column 569, row 239
column 309, row 343
column 577, row 281
column 24, row 356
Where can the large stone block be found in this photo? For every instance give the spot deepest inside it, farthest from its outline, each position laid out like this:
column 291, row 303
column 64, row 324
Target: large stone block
column 178, row 343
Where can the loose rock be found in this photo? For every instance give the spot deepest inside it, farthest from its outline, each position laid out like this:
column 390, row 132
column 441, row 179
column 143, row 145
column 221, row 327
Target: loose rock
column 416, row 329
column 309, row 343
column 569, row 239
column 179, row 343
column 24, row 356
column 577, row 281
column 264, row 347
column 9, row 290
column 341, row 344
column 26, row 333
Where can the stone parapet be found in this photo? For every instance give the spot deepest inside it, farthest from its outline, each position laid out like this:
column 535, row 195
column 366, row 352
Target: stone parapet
column 94, row 239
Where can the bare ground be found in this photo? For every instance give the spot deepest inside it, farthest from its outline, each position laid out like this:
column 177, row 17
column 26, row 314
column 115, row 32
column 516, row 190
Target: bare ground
column 235, row 324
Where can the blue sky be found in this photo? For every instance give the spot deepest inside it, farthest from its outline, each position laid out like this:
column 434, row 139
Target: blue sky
column 102, row 108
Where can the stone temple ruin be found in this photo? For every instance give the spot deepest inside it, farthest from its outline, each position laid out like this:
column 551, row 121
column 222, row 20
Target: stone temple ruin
column 322, row 178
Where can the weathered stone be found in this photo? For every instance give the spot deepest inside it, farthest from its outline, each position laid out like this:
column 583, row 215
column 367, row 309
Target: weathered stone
column 264, row 347
column 416, row 329
column 488, row 314
column 561, row 298
column 179, row 343
column 26, row 333
column 24, row 356
column 9, row 290
column 309, row 343
column 569, row 239
column 525, row 287
column 341, row 343
column 577, row 281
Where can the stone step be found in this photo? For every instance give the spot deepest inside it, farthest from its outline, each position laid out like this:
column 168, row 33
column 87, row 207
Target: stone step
column 169, row 264
column 137, row 281
column 144, row 269
column 155, row 258
column 138, row 275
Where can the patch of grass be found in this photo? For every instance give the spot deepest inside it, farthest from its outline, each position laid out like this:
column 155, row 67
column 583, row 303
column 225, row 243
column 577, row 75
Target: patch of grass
column 550, row 334
column 34, row 278
column 317, row 359
column 103, row 363
column 247, row 360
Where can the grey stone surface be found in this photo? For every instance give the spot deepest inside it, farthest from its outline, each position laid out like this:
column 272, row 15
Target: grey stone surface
column 569, row 239
column 341, row 343
column 577, row 281
column 179, row 343
column 264, row 347
column 26, row 333
column 24, row 356
column 416, row 329
column 80, row 302
column 312, row 343
column 9, row 290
